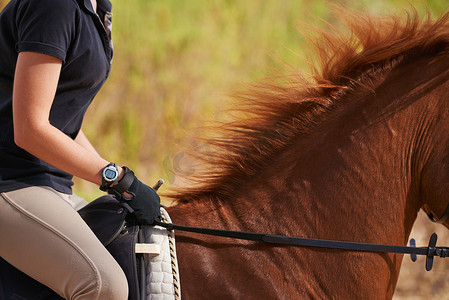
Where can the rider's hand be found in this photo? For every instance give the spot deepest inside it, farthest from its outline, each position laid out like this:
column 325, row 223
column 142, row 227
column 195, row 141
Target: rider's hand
column 145, row 202
column 141, row 198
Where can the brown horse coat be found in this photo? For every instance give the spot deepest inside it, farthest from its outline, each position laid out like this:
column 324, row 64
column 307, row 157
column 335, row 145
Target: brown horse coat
column 352, row 154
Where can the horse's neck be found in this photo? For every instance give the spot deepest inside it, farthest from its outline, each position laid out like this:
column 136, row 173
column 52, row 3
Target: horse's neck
column 343, row 184
column 354, row 182
column 355, row 177
column 321, row 195
column 355, row 172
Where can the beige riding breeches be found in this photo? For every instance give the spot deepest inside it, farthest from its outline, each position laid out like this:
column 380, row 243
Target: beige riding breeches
column 42, row 235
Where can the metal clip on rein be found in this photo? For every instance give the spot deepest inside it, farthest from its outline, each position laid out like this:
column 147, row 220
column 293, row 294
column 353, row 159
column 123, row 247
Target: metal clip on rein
column 432, row 251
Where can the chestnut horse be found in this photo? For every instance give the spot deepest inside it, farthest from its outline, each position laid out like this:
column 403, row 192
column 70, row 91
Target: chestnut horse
column 351, row 153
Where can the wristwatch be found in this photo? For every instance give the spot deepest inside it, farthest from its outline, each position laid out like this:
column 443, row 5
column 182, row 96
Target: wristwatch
column 108, row 176
column 123, row 186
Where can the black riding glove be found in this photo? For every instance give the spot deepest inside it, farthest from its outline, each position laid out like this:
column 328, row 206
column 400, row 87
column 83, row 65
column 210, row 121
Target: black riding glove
column 144, row 200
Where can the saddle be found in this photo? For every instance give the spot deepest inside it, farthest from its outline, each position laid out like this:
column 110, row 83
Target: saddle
column 143, row 252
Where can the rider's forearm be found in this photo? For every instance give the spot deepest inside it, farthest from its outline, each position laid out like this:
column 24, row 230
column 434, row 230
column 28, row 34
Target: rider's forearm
column 83, row 141
column 54, row 147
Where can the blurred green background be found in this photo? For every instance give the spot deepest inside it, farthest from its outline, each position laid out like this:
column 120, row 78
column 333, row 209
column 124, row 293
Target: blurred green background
column 176, row 60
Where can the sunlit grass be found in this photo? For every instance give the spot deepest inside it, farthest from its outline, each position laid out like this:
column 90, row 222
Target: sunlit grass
column 175, row 61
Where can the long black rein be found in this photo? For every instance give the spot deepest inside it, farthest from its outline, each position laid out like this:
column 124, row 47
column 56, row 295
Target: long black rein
column 430, row 251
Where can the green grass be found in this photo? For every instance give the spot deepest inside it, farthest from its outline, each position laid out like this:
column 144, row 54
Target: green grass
column 175, row 61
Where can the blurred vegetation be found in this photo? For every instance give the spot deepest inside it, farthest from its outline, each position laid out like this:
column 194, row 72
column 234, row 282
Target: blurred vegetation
column 174, row 62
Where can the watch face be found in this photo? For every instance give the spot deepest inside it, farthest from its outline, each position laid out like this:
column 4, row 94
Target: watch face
column 110, row 173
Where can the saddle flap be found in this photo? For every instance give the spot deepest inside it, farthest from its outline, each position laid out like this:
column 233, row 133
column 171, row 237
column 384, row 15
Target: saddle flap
column 106, row 218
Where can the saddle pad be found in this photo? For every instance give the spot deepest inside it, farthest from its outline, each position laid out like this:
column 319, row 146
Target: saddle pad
column 162, row 270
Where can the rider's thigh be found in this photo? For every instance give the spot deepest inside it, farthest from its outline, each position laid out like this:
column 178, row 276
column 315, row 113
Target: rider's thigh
column 44, row 237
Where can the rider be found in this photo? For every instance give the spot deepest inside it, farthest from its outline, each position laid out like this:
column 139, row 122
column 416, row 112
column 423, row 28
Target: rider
column 55, row 56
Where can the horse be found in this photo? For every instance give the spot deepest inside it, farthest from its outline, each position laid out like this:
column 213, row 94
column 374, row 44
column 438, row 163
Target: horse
column 350, row 152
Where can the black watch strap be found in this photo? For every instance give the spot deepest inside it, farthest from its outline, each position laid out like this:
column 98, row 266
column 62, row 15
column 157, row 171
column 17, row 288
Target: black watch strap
column 123, row 184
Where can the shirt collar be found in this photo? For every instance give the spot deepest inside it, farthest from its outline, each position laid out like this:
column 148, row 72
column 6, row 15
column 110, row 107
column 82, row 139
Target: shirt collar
column 102, row 5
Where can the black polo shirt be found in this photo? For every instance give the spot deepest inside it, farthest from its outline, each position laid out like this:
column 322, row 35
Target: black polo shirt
column 71, row 31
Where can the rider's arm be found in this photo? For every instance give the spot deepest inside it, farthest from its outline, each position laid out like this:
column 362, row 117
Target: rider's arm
column 82, row 140
column 35, row 83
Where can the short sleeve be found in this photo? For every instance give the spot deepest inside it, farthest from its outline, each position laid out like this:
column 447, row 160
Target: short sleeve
column 46, row 26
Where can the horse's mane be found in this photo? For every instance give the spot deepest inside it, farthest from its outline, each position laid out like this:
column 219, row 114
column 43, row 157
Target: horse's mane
column 271, row 114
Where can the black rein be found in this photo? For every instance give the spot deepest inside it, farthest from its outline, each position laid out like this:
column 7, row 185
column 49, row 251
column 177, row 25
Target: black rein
column 430, row 251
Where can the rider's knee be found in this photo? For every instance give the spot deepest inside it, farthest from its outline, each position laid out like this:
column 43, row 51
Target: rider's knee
column 114, row 287
column 108, row 285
